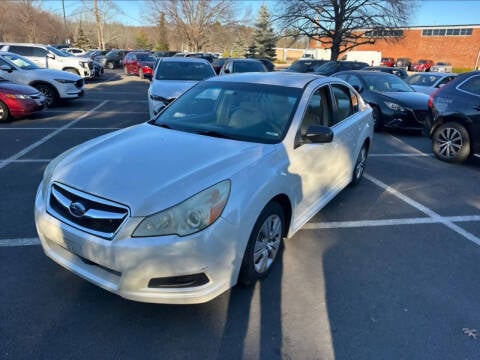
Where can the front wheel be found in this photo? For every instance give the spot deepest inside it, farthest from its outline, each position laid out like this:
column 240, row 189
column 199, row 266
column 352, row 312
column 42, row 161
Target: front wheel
column 377, row 118
column 49, row 92
column 109, row 65
column 263, row 245
column 451, row 142
column 4, row 113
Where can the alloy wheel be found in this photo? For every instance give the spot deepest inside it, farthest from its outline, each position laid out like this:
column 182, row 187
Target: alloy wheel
column 267, row 243
column 450, row 142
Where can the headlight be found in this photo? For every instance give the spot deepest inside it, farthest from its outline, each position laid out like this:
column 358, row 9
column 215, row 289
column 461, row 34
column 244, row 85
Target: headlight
column 18, row 96
column 65, row 81
column 188, row 217
column 394, row 106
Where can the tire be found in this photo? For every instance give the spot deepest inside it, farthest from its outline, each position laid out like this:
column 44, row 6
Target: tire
column 4, row 113
column 140, row 73
column 264, row 244
column 72, row 71
column 377, row 118
column 49, row 92
column 109, row 65
column 359, row 166
column 451, row 142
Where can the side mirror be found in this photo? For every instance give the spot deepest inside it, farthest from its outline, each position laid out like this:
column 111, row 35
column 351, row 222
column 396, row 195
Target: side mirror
column 7, row 68
column 50, row 56
column 158, row 108
column 318, row 134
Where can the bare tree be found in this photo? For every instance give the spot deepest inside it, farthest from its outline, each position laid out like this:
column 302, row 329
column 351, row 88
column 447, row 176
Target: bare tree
column 193, row 18
column 103, row 11
column 341, row 25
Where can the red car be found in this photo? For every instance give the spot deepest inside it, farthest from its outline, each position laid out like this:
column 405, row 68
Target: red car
column 139, row 63
column 387, row 61
column 19, row 100
column 422, row 65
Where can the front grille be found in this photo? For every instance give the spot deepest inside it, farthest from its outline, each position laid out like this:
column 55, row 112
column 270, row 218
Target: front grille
column 79, row 84
column 86, row 212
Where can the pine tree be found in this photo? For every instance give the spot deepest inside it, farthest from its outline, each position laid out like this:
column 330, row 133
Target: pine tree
column 82, row 40
column 162, row 39
column 264, row 37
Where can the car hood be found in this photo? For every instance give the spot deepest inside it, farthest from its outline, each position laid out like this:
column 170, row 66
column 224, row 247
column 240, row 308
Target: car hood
column 412, row 100
column 170, row 88
column 12, row 88
column 150, row 168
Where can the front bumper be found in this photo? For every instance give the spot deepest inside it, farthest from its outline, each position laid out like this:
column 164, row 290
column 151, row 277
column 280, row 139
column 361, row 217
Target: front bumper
column 409, row 119
column 129, row 266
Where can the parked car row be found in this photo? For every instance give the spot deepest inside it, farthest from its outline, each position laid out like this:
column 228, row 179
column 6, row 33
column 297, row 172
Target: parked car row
column 421, row 65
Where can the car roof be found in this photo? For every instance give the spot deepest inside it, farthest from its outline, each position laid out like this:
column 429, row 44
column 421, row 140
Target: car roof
column 366, row 72
column 184, row 59
column 279, row 78
column 434, row 73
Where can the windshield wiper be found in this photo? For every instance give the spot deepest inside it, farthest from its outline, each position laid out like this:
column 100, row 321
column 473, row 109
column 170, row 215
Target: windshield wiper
column 216, row 134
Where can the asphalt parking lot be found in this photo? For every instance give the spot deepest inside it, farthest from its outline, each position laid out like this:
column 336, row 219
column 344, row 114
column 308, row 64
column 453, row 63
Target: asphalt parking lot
column 388, row 270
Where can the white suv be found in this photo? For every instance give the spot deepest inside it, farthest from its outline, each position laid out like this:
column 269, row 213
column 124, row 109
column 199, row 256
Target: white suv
column 54, row 84
column 47, row 56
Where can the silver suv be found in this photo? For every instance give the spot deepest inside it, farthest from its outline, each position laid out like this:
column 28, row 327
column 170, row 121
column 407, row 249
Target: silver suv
column 47, row 56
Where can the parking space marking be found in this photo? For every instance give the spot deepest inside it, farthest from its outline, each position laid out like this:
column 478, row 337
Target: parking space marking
column 19, row 242
column 388, row 222
column 49, row 136
column 75, row 128
column 429, row 212
column 400, row 155
column 414, row 149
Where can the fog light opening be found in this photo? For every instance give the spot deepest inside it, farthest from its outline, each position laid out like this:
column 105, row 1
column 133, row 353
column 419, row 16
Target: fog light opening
column 183, row 281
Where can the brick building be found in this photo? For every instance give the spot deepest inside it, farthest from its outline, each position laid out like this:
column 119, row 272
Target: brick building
column 457, row 44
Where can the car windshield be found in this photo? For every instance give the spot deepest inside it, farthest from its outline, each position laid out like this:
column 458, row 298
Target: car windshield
column 182, row 70
column 385, row 83
column 248, row 66
column 21, row 62
column 327, row 67
column 57, row 52
column 145, row 57
column 423, row 80
column 246, row 112
column 299, row 66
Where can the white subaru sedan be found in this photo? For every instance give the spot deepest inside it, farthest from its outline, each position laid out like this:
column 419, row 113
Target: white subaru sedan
column 181, row 208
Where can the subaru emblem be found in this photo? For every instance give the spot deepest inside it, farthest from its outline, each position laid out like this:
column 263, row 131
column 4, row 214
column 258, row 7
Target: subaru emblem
column 77, row 209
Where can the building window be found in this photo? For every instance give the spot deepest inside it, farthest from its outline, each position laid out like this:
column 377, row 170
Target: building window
column 383, row 33
column 447, row 32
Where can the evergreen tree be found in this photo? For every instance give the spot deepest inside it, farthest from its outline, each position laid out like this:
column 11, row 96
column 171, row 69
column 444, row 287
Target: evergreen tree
column 142, row 40
column 252, row 51
column 82, row 40
column 264, row 37
column 162, row 40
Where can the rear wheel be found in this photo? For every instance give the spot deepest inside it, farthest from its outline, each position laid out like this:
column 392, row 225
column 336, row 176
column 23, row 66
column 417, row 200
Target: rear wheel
column 451, row 142
column 4, row 113
column 49, row 92
column 359, row 166
column 263, row 245
column 109, row 65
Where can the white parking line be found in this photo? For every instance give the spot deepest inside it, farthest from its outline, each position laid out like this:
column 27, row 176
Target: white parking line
column 48, row 137
column 400, row 155
column 429, row 212
column 388, row 222
column 19, row 242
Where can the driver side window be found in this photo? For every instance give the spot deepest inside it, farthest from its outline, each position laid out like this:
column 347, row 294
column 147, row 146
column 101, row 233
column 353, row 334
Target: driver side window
column 317, row 112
